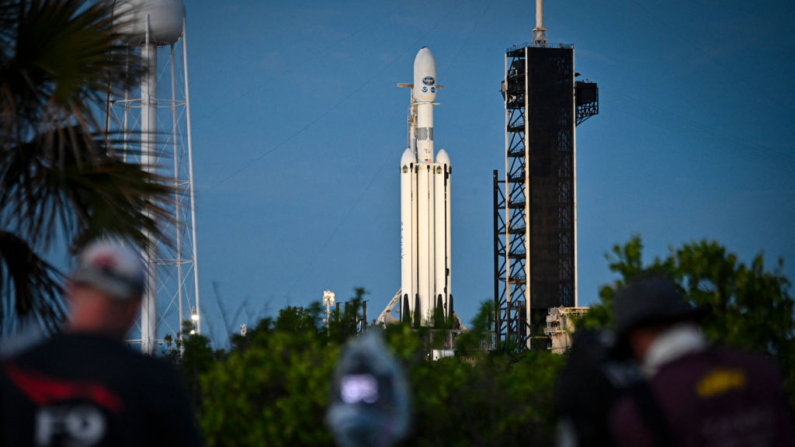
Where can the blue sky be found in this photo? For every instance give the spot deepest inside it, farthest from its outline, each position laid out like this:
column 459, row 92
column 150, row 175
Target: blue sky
column 298, row 129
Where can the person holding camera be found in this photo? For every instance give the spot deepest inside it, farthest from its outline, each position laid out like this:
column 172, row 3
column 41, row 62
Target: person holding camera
column 690, row 393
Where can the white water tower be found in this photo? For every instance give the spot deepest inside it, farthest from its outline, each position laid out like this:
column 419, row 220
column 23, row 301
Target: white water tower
column 154, row 118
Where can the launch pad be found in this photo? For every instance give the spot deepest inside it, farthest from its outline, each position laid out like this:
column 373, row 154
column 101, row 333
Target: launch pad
column 534, row 208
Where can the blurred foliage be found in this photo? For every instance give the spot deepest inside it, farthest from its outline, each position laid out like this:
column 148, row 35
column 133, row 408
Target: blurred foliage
column 272, row 386
column 748, row 306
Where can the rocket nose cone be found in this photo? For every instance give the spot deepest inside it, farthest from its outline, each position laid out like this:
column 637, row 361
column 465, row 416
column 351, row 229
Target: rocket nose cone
column 424, row 76
column 425, row 61
column 408, row 158
column 442, row 158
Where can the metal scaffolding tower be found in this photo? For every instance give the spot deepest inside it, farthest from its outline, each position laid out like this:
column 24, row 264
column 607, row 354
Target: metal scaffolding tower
column 161, row 142
column 535, row 205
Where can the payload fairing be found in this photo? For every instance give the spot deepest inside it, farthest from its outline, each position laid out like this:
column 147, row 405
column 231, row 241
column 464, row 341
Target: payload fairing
column 424, row 206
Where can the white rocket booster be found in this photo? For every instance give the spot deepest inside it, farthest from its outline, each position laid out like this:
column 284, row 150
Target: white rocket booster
column 424, row 206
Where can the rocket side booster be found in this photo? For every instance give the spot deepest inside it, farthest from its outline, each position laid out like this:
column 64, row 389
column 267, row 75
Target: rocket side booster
column 424, row 206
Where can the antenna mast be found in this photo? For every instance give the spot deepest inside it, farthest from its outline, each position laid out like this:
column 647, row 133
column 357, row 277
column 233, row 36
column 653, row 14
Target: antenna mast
column 539, row 32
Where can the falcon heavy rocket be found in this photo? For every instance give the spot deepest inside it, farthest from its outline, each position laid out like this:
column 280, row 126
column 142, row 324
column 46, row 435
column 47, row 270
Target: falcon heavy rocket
column 424, row 206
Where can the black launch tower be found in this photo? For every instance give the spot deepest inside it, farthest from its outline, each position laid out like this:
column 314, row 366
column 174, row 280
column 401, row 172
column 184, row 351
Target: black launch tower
column 535, row 229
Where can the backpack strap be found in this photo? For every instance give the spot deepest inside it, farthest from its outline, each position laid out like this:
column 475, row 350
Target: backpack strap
column 652, row 415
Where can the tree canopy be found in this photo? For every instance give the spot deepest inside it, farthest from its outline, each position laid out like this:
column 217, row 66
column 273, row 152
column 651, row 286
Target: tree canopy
column 748, row 306
column 272, row 386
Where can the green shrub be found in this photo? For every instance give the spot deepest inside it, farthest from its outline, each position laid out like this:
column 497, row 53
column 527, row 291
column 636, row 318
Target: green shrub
column 272, row 388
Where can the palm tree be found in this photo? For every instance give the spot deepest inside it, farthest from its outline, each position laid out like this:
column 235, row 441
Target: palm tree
column 63, row 181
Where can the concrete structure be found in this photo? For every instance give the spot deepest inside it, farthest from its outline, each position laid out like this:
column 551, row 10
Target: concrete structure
column 560, row 327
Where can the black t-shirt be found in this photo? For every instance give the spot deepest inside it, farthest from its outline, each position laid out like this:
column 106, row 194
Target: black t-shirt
column 82, row 390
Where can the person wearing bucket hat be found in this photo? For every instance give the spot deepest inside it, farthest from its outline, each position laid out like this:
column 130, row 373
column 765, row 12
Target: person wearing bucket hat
column 693, row 393
column 86, row 387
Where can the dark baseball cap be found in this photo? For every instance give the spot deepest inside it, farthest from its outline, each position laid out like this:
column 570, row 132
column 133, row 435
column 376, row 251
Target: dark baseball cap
column 650, row 300
column 112, row 268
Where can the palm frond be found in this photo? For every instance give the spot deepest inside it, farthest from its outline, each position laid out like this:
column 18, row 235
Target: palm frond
column 49, row 193
column 65, row 57
column 8, row 20
column 61, row 176
column 35, row 285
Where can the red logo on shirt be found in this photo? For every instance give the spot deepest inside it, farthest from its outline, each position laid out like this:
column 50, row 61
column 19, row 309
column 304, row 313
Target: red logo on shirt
column 43, row 390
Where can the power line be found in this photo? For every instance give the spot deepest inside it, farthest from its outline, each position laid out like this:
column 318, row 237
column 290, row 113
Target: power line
column 330, row 109
column 466, row 39
column 342, row 221
column 261, row 86
column 681, row 124
column 375, row 175
column 691, row 44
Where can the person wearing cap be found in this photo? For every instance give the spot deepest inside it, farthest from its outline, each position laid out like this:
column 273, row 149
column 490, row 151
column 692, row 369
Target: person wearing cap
column 693, row 394
column 85, row 387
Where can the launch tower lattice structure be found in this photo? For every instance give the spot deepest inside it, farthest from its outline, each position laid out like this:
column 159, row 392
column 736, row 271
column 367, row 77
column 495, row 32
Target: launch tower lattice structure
column 535, row 248
column 153, row 120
